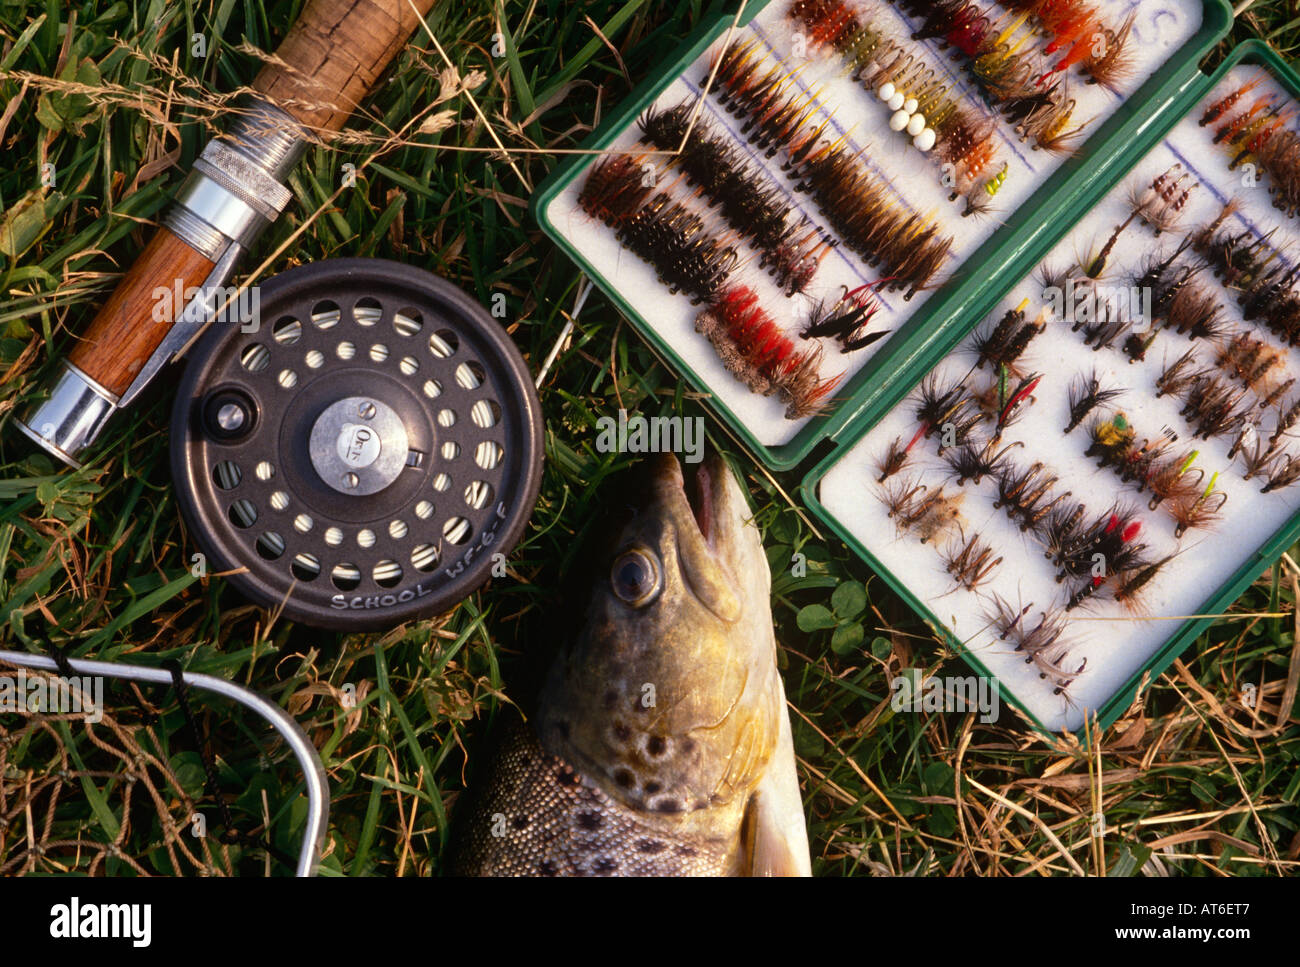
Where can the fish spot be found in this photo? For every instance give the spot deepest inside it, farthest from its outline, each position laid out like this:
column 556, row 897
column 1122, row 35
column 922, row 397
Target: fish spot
column 568, row 777
column 605, row 864
column 651, row 846
column 588, row 820
column 611, row 698
column 519, row 822
column 688, row 745
column 656, row 746
column 622, row 732
column 547, row 868
column 685, row 849
column 666, row 804
column 625, row 778
column 652, row 787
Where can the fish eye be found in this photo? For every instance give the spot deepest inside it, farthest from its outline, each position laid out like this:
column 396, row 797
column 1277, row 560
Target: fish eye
column 635, row 577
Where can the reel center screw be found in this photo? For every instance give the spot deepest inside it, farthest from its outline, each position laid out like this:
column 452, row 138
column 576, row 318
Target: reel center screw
column 359, row 445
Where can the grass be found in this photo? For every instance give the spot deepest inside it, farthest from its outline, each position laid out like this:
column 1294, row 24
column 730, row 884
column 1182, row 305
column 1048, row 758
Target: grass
column 98, row 561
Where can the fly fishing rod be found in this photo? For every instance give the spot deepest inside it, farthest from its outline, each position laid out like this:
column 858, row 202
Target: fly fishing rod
column 329, row 61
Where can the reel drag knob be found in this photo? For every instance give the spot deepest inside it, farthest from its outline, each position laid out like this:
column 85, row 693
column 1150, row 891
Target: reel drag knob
column 362, row 455
column 228, row 415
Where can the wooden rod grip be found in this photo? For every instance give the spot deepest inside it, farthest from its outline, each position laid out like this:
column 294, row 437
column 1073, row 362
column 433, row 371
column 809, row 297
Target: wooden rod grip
column 333, row 55
column 134, row 320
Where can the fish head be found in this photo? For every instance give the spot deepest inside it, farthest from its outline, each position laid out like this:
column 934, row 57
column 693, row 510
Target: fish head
column 668, row 696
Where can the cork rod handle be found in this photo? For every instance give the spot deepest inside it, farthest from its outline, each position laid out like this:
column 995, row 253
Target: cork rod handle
column 332, row 56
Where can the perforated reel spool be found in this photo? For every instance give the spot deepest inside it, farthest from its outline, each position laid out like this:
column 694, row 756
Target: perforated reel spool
column 365, row 453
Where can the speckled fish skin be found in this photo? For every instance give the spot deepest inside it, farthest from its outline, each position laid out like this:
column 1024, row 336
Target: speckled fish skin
column 658, row 724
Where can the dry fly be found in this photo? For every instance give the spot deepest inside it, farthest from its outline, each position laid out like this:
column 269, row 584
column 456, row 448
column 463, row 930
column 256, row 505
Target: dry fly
column 974, row 463
column 1086, row 395
column 1198, row 509
column 970, row 563
column 1283, row 473
column 926, row 514
column 1174, row 479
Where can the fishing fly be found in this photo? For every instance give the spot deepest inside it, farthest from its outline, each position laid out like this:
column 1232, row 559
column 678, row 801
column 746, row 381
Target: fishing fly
column 1212, row 407
column 918, row 101
column 937, row 406
column 1003, row 343
column 973, row 463
column 896, row 456
column 754, row 349
column 1282, row 473
column 1200, row 508
column 1174, row 478
column 970, row 563
column 1023, row 493
column 754, row 205
column 1248, row 359
column 1086, row 394
column 848, row 319
column 926, row 514
column 664, row 233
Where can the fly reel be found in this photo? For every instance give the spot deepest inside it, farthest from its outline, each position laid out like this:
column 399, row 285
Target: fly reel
column 365, row 454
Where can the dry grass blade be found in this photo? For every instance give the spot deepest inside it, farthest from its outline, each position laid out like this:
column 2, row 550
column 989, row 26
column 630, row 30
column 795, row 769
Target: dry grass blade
column 1042, row 827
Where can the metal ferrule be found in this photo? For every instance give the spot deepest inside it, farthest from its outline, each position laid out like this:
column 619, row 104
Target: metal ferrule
column 267, row 136
column 208, row 216
column 234, row 191
column 195, row 232
column 72, row 417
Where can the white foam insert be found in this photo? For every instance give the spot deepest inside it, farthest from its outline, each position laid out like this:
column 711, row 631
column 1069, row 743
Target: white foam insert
column 1115, row 644
column 1162, row 26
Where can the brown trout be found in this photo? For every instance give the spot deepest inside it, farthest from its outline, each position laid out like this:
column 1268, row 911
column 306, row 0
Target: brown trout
column 661, row 742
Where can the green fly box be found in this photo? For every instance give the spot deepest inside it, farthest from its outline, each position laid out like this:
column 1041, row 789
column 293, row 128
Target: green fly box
column 1174, row 431
column 1031, row 182
column 1066, row 564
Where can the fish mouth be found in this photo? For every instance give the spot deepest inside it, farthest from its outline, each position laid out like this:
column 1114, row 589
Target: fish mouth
column 698, row 483
column 698, row 487
column 702, row 514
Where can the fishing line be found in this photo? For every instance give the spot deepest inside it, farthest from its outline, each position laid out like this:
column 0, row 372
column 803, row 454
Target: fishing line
column 313, row 770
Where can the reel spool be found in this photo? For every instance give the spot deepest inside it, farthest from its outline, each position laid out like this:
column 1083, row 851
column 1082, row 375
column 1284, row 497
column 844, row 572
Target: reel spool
column 365, row 453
